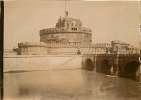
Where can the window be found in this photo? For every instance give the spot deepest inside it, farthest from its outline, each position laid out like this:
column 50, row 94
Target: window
column 74, row 28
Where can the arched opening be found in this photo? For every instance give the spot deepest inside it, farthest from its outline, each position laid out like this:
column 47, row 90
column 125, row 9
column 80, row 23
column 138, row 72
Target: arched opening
column 131, row 69
column 89, row 65
column 106, row 67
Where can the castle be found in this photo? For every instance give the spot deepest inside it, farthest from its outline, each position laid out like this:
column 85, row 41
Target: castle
column 70, row 37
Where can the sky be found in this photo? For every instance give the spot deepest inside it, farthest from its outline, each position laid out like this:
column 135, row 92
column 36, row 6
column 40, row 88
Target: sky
column 108, row 20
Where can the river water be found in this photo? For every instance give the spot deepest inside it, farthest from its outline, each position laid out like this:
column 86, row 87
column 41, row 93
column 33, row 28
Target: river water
column 74, row 84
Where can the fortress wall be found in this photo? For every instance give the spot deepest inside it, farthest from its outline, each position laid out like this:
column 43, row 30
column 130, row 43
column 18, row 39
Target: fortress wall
column 68, row 37
column 33, row 50
column 59, row 49
column 62, row 50
column 74, row 50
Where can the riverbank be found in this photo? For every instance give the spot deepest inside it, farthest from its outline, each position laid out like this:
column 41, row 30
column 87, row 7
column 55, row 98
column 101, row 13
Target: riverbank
column 41, row 62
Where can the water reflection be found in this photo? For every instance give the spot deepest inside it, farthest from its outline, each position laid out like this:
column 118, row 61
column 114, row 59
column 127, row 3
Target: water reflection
column 69, row 85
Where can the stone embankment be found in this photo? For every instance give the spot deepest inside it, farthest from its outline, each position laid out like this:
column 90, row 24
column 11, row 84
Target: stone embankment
column 41, row 62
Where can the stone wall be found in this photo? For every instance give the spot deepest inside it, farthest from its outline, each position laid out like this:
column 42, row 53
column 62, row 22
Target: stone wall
column 49, row 62
column 33, row 50
column 78, row 37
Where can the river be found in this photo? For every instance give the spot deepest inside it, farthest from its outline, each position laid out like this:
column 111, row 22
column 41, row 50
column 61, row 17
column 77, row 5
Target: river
column 69, row 84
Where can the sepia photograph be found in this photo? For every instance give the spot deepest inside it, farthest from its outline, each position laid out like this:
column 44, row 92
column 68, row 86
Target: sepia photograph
column 71, row 50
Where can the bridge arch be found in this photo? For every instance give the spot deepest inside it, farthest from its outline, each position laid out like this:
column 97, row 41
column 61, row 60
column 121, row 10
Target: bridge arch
column 131, row 68
column 106, row 66
column 89, row 64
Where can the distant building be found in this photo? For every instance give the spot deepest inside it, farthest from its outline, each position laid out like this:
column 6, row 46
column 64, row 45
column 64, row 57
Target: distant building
column 119, row 47
column 123, row 48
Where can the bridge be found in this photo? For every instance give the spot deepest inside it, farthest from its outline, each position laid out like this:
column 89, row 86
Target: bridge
column 125, row 65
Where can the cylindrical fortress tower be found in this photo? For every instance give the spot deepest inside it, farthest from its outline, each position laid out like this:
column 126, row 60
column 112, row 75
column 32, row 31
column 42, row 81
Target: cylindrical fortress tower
column 67, row 30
